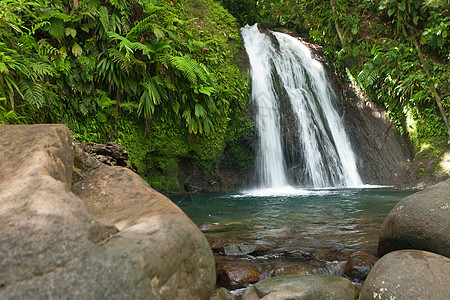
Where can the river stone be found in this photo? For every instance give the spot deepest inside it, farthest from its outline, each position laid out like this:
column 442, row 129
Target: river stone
column 420, row 221
column 358, row 265
column 237, row 249
column 221, row 294
column 307, row 287
column 238, row 273
column 408, row 274
column 116, row 239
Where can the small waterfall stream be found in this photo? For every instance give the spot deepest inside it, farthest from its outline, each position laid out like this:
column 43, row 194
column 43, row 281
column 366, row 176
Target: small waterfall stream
column 289, row 86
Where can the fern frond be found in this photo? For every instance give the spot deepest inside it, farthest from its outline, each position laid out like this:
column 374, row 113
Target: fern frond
column 42, row 68
column 33, row 93
column 104, row 17
column 187, row 66
column 368, row 76
column 56, row 28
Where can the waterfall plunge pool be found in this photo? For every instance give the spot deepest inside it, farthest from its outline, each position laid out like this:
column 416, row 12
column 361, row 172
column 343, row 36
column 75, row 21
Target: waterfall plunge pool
column 310, row 229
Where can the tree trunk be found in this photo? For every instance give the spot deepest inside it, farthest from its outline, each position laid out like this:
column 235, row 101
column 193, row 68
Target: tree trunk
column 336, row 23
column 430, row 81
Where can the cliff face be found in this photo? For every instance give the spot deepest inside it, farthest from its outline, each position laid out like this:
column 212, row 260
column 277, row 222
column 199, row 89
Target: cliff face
column 382, row 155
column 109, row 236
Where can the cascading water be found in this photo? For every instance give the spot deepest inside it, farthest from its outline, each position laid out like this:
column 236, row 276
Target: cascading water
column 286, row 81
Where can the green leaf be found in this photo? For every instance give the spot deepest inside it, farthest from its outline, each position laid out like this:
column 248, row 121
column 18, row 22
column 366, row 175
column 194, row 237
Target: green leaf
column 76, row 49
column 199, row 110
column 85, row 27
column 206, row 90
column 391, row 11
column 176, row 107
column 444, row 33
column 70, row 31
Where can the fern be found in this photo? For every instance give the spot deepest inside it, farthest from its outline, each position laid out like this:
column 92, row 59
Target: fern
column 56, row 28
column 186, row 66
column 104, row 18
column 33, row 93
column 368, row 76
column 43, row 68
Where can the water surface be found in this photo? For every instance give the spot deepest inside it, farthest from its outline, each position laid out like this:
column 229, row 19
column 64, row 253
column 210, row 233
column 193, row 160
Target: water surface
column 297, row 220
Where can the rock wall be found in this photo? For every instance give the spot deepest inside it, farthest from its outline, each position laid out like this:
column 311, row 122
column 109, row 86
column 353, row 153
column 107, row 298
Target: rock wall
column 112, row 237
column 382, row 156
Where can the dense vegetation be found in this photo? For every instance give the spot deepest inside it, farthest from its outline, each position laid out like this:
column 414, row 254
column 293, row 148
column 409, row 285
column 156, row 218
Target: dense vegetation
column 396, row 51
column 159, row 77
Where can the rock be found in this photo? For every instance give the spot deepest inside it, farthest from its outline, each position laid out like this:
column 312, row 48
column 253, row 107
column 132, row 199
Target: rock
column 358, row 265
column 221, row 294
column 308, row 287
column 237, row 273
column 206, row 227
column 408, row 274
column 381, row 154
column 293, row 269
column 237, row 249
column 419, row 221
column 110, row 153
column 113, row 238
column 42, row 226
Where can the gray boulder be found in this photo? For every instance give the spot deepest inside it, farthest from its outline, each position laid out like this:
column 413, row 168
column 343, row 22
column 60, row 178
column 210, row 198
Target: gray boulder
column 408, row 274
column 420, row 221
column 306, row 287
column 113, row 237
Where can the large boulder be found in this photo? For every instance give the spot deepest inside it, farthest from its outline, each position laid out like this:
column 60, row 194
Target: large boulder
column 306, row 287
column 420, row 221
column 113, row 237
column 408, row 274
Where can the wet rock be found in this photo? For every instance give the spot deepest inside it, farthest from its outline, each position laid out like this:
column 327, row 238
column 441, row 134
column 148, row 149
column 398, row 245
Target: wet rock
column 242, row 249
column 328, row 255
column 221, row 294
column 113, row 237
column 381, row 153
column 420, row 221
column 237, row 273
column 293, row 269
column 358, row 265
column 408, row 274
column 309, row 287
column 206, row 227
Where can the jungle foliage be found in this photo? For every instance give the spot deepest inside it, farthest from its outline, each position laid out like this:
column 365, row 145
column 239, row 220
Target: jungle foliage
column 396, row 51
column 159, row 77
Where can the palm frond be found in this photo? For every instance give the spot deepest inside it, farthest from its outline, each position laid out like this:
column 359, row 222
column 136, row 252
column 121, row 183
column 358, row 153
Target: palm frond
column 153, row 94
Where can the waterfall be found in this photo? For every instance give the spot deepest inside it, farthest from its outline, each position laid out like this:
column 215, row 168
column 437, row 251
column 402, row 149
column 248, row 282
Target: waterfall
column 290, row 87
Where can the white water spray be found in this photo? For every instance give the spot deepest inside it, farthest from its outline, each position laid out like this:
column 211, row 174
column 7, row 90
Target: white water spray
column 287, row 68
